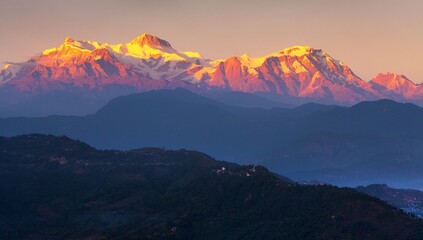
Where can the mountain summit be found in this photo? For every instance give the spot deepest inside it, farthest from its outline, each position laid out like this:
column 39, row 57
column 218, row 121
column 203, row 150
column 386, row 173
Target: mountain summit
column 297, row 72
column 69, row 40
column 294, row 75
column 397, row 86
column 151, row 41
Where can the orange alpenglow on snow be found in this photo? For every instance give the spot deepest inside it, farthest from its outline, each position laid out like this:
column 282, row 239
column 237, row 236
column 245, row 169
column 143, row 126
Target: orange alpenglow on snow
column 148, row 62
column 151, row 41
column 398, row 84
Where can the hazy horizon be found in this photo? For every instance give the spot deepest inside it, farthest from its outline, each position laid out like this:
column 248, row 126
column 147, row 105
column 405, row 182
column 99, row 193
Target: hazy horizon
column 369, row 36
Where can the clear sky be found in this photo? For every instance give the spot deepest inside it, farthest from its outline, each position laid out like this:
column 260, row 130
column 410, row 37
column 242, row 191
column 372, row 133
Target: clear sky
column 371, row 36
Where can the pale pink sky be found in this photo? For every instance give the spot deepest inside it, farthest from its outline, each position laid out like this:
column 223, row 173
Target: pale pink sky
column 371, row 36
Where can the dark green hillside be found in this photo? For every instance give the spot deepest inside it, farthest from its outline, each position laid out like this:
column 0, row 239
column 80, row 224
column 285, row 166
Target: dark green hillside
column 58, row 188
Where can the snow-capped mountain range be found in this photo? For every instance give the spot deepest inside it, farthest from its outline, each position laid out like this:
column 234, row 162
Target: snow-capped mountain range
column 296, row 74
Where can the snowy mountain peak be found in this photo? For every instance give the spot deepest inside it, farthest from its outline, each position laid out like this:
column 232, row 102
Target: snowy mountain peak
column 68, row 40
column 397, row 84
column 6, row 66
column 298, row 51
column 151, row 41
column 148, row 62
column 393, row 81
column 391, row 77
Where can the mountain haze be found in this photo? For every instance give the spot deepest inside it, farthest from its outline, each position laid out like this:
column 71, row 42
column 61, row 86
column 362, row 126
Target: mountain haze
column 369, row 142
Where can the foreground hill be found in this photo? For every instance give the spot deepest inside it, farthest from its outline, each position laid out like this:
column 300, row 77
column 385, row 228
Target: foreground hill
column 96, row 72
column 58, row 188
column 370, row 142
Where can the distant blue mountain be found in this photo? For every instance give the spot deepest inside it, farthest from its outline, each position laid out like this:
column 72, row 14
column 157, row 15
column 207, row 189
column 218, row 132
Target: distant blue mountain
column 408, row 200
column 370, row 142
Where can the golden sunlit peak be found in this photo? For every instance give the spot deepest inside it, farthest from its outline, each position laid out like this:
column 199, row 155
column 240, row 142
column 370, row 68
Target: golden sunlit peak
column 252, row 62
column 69, row 40
column 298, row 51
column 6, row 66
column 193, row 54
column 151, row 41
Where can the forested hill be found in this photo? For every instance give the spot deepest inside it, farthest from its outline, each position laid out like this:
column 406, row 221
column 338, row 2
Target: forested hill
column 57, row 188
